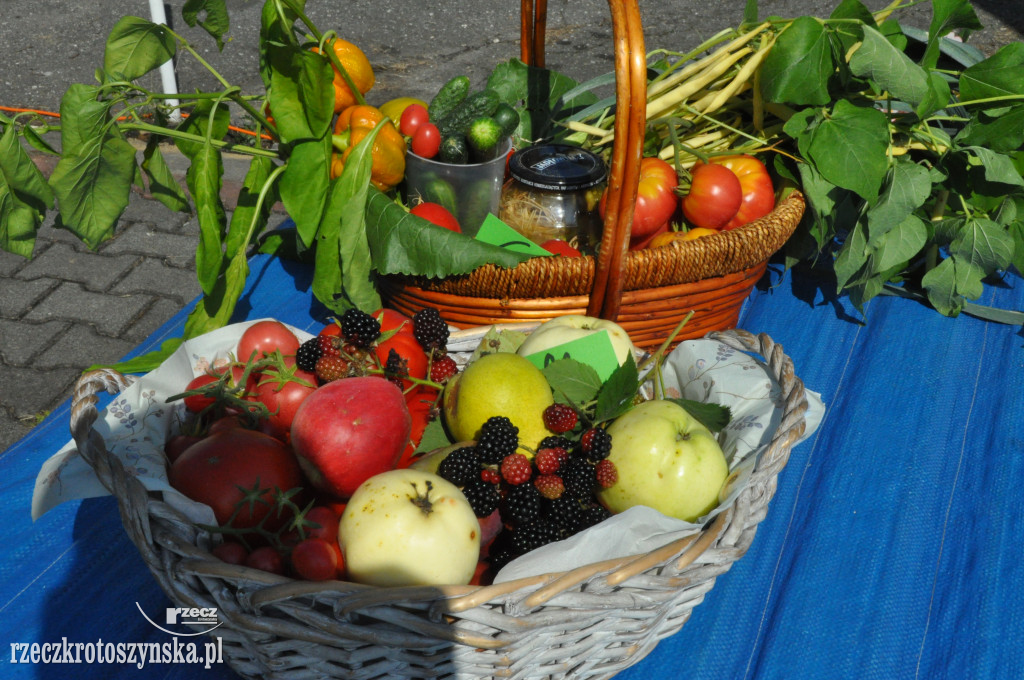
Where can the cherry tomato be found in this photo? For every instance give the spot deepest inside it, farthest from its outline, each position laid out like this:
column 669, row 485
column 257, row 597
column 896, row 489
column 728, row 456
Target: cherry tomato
column 332, row 329
column 314, row 560
column 393, row 320
column 220, row 469
column 755, row 186
column 557, row 246
column 412, row 118
column 715, row 196
column 436, row 213
column 655, row 199
column 266, row 558
column 282, row 395
column 427, row 141
column 409, row 349
column 322, row 522
column 231, row 552
column 263, row 337
column 420, row 402
column 198, row 402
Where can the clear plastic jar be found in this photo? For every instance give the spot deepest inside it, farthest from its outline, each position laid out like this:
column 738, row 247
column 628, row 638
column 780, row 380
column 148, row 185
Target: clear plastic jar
column 553, row 193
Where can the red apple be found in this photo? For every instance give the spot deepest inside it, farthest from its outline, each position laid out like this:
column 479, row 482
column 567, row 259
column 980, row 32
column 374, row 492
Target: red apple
column 350, row 430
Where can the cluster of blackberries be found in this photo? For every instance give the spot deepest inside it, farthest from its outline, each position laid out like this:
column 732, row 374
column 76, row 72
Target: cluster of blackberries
column 542, row 500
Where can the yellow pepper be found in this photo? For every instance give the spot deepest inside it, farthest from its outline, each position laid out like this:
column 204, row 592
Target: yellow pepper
column 388, row 153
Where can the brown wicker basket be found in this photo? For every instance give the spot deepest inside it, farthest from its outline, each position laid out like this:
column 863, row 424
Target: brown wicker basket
column 647, row 291
column 590, row 622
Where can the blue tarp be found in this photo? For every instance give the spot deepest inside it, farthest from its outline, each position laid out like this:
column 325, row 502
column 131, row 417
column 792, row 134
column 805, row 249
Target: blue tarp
column 891, row 549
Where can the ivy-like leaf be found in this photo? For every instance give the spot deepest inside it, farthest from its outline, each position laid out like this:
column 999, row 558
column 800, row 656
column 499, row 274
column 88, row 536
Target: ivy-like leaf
column 572, row 381
column 849, row 148
column 798, row 68
column 210, row 15
column 162, row 184
column 892, row 70
column 1000, row 75
column 983, row 244
column 712, row 416
column 906, row 190
column 940, row 286
column 617, row 393
column 137, row 46
column 900, row 244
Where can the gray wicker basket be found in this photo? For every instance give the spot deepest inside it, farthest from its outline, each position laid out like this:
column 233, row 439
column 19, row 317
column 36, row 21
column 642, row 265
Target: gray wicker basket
column 590, row 622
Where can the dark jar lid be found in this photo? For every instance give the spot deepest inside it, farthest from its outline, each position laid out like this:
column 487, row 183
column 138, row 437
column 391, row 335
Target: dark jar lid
column 557, row 167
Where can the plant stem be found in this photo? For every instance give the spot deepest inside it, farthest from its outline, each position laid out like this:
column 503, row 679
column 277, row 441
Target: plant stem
column 220, row 144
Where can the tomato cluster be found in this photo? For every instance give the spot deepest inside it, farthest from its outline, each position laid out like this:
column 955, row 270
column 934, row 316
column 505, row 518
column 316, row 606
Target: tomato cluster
column 234, row 453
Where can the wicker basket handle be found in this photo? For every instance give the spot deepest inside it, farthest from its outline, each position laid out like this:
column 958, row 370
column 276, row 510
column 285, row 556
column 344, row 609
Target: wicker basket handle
column 624, row 173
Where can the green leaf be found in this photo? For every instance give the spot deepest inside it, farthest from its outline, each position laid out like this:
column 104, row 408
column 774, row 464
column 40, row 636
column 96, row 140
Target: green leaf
column 984, row 244
column 301, row 93
column 303, row 186
column 204, row 179
column 137, row 46
column 908, row 187
column 199, row 123
column 354, row 252
column 210, row 15
column 894, row 71
column 849, row 148
column 215, row 309
column 572, row 381
column 712, row 416
column 1001, row 130
column 852, row 256
column 83, row 119
column 162, row 184
column 1000, row 75
column 246, row 224
column 940, row 286
column 947, row 16
column 146, row 362
column 798, row 68
column 1016, row 230
column 24, row 196
column 900, row 244
column 538, row 94
column 402, row 243
column 434, row 437
column 996, row 167
column 617, row 393
column 750, row 12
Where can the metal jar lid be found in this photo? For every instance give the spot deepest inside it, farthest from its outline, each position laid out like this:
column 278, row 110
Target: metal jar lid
column 557, row 167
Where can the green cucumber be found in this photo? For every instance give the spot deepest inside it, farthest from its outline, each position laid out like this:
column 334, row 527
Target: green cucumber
column 507, row 117
column 484, row 135
column 447, row 98
column 441, row 191
column 482, row 103
column 454, row 149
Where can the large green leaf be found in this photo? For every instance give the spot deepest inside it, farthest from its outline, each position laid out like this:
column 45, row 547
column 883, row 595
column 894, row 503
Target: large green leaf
column 798, row 68
column 906, row 190
column 401, row 243
column 894, row 71
column 984, row 244
column 214, row 310
column 900, row 244
column 211, row 15
column 246, row 222
column 848, row 147
column 303, row 185
column 1000, row 75
column 996, row 168
column 1001, row 130
column 137, row 46
column 204, row 179
column 948, row 16
column 540, row 95
column 162, row 184
column 83, row 118
column 208, row 120
column 24, row 196
column 301, row 93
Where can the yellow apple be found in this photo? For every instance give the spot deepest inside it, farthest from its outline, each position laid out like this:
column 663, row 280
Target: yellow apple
column 569, row 327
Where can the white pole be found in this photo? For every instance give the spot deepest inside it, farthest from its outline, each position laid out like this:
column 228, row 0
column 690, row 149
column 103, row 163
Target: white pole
column 170, row 82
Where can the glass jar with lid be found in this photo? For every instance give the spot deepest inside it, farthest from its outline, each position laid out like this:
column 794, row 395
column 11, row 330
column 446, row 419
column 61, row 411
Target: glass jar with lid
column 553, row 193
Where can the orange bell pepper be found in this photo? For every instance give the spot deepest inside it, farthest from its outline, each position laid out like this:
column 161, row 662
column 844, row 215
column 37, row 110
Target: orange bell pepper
column 388, row 153
column 359, row 72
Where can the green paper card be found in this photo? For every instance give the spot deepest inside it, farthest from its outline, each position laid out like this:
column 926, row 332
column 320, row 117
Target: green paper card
column 594, row 349
column 497, row 233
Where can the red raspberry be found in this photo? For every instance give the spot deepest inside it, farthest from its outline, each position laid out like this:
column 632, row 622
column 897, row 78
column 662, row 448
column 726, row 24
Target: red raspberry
column 560, row 418
column 516, row 469
column 549, row 460
column 330, row 345
column 330, row 368
column 550, row 486
column 607, row 475
column 443, row 368
column 490, row 475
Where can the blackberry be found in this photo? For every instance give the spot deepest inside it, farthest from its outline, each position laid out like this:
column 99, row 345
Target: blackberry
column 565, row 513
column 596, row 444
column 429, row 329
column 498, row 438
column 396, row 368
column 308, row 354
column 460, row 467
column 521, row 504
column 579, row 478
column 359, row 328
column 555, row 442
column 483, row 497
column 532, row 535
column 593, row 514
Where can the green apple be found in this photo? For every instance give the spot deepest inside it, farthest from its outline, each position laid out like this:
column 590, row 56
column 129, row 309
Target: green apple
column 563, row 329
column 499, row 384
column 666, row 460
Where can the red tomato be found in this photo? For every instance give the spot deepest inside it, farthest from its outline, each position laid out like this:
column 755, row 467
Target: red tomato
column 409, row 349
column 755, row 185
column 198, row 402
column 282, row 395
column 231, row 552
column 219, row 469
column 412, row 118
column 655, row 199
column 322, row 522
column 557, row 246
column 715, row 196
column 420, row 402
column 427, row 141
column 315, row 560
column 332, row 329
column 438, row 214
column 177, row 445
column 263, row 337
column 266, row 559
column 392, row 320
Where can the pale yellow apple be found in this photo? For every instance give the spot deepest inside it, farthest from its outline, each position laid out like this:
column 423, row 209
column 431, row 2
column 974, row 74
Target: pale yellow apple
column 569, row 327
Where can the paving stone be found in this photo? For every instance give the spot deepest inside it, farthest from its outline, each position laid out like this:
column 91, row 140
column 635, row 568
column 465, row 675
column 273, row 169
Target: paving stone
column 17, row 297
column 141, row 238
column 82, row 347
column 10, row 263
column 154, row 317
column 94, row 270
column 154, row 212
column 111, row 313
column 20, row 341
column 155, row 278
column 38, row 390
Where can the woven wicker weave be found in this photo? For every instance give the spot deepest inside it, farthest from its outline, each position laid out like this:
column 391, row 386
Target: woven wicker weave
column 648, row 291
column 590, row 622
